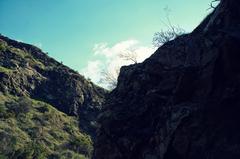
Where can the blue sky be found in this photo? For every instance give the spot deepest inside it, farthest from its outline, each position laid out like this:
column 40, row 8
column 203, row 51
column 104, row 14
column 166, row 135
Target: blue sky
column 69, row 29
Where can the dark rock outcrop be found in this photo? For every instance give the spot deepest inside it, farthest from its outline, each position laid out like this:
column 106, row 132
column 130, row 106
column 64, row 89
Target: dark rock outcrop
column 184, row 101
column 26, row 71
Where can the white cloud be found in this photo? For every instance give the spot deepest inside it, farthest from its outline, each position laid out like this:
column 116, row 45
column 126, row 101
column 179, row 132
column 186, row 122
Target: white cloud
column 111, row 60
column 93, row 70
column 108, row 51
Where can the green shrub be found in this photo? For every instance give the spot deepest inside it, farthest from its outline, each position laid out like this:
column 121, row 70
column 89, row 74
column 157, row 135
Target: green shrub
column 39, row 151
column 3, row 46
column 71, row 155
column 34, row 129
column 22, row 106
column 3, row 157
column 2, row 111
column 43, row 109
column 4, row 69
column 32, row 150
column 82, row 145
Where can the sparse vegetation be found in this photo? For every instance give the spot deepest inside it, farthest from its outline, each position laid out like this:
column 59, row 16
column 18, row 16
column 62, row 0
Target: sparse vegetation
column 164, row 36
column 4, row 69
column 2, row 48
column 33, row 129
column 109, row 78
column 172, row 31
column 130, row 55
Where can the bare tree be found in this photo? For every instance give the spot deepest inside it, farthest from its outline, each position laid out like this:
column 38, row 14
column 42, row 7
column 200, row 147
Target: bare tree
column 129, row 55
column 171, row 33
column 162, row 37
column 213, row 4
column 109, row 78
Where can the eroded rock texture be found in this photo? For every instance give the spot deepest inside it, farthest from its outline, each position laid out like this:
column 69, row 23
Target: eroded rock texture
column 27, row 71
column 184, row 101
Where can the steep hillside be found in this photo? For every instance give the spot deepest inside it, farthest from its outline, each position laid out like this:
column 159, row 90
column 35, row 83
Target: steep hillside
column 184, row 101
column 47, row 110
column 26, row 71
column 33, row 129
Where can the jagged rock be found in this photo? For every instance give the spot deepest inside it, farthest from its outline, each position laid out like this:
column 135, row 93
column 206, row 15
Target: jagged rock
column 184, row 101
column 26, row 71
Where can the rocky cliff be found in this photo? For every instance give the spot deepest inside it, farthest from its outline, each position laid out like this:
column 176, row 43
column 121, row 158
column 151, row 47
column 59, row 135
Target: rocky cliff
column 27, row 71
column 184, row 101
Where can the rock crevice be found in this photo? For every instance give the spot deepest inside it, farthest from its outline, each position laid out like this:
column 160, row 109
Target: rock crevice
column 183, row 101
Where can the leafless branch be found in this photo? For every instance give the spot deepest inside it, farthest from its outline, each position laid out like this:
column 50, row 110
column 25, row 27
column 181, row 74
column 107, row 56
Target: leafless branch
column 109, row 78
column 212, row 4
column 162, row 37
column 130, row 55
column 171, row 33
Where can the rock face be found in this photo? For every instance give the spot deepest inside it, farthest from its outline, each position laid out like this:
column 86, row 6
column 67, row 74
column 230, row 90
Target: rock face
column 184, row 101
column 26, row 71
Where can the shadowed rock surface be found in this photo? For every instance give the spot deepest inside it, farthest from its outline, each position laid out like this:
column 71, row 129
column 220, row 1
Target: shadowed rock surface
column 184, row 101
column 26, row 71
